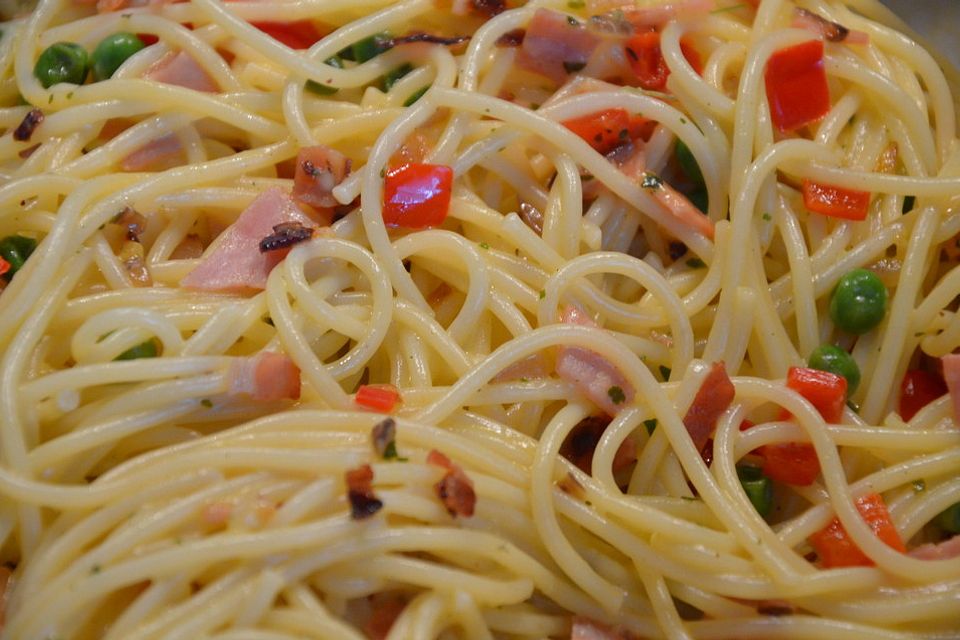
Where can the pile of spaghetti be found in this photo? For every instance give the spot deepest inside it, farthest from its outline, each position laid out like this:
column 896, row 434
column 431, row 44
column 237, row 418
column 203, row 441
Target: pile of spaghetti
column 477, row 318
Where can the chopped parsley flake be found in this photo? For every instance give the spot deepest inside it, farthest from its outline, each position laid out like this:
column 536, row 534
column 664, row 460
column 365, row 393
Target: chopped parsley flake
column 919, row 485
column 665, row 372
column 207, row 402
column 484, row 245
column 390, row 453
column 651, row 425
column 696, row 263
column 651, row 181
column 616, row 394
column 543, row 294
column 767, row 217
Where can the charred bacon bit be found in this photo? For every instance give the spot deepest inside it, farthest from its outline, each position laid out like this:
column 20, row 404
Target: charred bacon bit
column 455, row 489
column 420, row 36
column 775, row 608
column 488, row 8
column 582, row 441
column 677, row 250
column 27, row 126
column 830, row 30
column 712, row 399
column 532, row 217
column 384, row 434
column 363, row 503
column 512, row 38
column 285, row 234
column 132, row 221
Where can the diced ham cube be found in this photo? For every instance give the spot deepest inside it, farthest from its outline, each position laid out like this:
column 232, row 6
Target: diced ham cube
column 555, row 45
column 712, row 399
column 234, row 262
column 265, row 377
column 182, row 70
column 593, row 375
column 163, row 153
column 319, row 169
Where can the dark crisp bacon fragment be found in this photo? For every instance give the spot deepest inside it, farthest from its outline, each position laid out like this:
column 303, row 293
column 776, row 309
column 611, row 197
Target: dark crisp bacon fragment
column 132, row 221
column 455, row 489
column 775, row 608
column 363, row 503
column 419, row 36
column 512, row 38
column 27, row 126
column 488, row 8
column 580, row 445
column 285, row 234
column 715, row 395
column 384, row 434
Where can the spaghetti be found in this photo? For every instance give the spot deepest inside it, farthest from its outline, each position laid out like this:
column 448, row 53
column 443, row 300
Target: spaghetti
column 480, row 319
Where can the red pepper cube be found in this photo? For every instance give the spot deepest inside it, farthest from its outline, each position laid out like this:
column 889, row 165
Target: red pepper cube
column 918, row 389
column 646, row 60
column 793, row 463
column 604, row 130
column 826, row 391
column 381, row 398
column 796, row 83
column 417, row 195
column 835, row 202
column 836, row 549
column 299, row 34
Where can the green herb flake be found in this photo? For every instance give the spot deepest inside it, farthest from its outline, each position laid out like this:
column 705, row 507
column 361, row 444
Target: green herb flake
column 206, row 402
column 767, row 217
column 665, row 372
column 651, row 181
column 95, row 569
column 616, row 395
column 573, row 22
column 696, row 263
column 919, row 485
column 484, row 245
column 543, row 294
column 576, row 4
column 651, row 425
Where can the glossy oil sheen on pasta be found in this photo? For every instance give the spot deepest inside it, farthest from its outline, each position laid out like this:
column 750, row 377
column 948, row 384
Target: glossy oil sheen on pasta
column 159, row 497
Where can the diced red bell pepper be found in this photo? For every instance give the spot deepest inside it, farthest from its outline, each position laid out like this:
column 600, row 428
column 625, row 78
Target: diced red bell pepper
column 417, row 195
column 691, row 55
column 918, row 389
column 835, row 202
column 381, row 398
column 826, row 391
column 793, row 463
column 836, row 549
column 148, row 38
column 715, row 395
column 796, row 84
column 608, row 129
column 299, row 34
column 4, row 266
column 646, row 60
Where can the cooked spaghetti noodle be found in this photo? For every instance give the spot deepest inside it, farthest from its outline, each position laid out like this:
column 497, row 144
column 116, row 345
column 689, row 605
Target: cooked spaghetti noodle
column 596, row 356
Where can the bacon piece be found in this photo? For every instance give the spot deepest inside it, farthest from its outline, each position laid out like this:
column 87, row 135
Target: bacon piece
column 182, row 70
column 582, row 442
column 284, row 236
column 677, row 205
column 28, row 125
column 318, row 170
column 265, row 377
column 234, row 262
column 937, row 551
column 592, row 375
column 455, row 489
column 159, row 154
column 533, row 366
column 654, row 16
column 951, row 375
column 827, row 29
column 132, row 221
column 587, row 629
column 385, row 611
column 363, row 502
column 712, row 399
column 555, row 44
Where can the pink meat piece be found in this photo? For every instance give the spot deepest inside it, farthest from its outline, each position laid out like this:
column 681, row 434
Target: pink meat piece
column 234, row 263
column 555, row 45
column 265, row 377
column 182, row 70
column 647, row 17
column 951, row 374
column 592, row 374
column 319, row 169
column 156, row 155
column 940, row 551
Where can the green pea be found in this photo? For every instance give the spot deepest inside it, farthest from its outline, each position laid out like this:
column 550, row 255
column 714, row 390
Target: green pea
column 15, row 250
column 146, row 349
column 859, row 302
column 949, row 520
column 835, row 360
column 112, row 52
column 758, row 488
column 62, row 62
